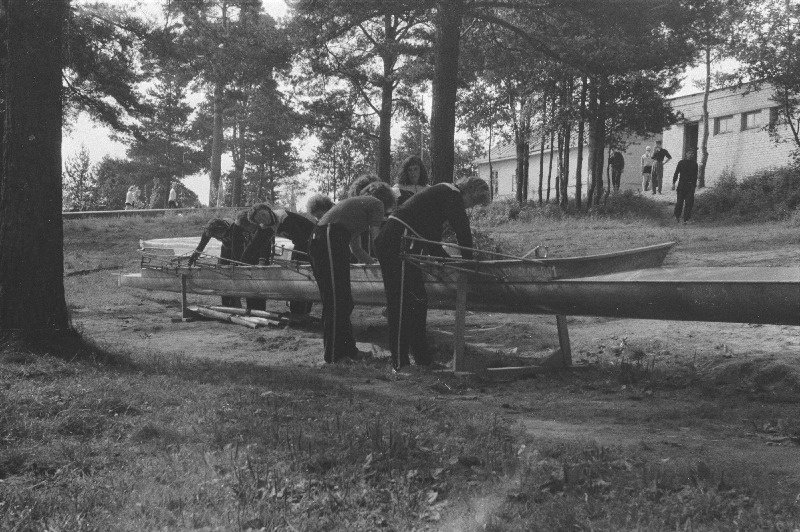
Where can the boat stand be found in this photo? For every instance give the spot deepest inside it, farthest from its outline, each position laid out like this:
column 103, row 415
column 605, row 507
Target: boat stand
column 186, row 314
column 559, row 360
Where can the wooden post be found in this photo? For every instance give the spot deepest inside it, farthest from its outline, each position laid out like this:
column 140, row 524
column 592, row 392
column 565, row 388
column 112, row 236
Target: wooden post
column 184, row 306
column 563, row 340
column 460, row 327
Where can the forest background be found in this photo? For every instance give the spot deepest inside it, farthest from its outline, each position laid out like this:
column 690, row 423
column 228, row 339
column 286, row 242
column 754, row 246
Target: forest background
column 273, row 101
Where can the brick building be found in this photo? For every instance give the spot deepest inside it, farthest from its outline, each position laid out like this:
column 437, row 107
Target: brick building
column 738, row 142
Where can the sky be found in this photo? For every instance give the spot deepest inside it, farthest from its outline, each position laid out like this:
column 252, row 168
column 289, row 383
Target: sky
column 98, row 141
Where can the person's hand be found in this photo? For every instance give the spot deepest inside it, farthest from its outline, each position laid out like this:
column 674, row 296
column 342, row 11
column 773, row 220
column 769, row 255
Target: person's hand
column 193, row 258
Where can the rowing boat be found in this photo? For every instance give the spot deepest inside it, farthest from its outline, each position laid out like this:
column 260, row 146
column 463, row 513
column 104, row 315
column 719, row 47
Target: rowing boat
column 492, row 282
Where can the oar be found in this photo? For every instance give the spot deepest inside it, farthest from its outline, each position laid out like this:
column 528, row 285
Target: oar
column 422, row 260
column 474, row 250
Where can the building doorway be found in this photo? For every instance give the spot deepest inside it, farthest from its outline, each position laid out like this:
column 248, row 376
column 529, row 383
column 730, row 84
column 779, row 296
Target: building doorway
column 690, row 134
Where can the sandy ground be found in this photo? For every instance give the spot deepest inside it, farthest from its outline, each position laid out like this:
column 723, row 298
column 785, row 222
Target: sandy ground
column 723, row 394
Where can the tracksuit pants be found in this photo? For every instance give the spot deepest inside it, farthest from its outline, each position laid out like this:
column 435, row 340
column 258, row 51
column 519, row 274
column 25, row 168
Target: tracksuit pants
column 657, row 176
column 684, row 203
column 330, row 260
column 228, row 301
column 407, row 301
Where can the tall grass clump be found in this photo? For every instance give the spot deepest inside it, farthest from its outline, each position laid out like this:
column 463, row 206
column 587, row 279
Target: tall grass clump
column 766, row 196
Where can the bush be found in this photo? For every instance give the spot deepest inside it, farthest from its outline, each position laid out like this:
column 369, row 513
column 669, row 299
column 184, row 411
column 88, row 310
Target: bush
column 765, row 196
column 626, row 204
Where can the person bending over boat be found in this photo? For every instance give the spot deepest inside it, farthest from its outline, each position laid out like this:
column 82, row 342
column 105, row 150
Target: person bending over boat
column 336, row 235
column 422, row 216
column 318, row 205
column 296, row 228
column 412, row 178
column 234, row 237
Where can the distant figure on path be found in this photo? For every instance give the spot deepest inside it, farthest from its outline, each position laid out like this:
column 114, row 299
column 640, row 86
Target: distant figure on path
column 660, row 158
column 413, row 178
column 130, row 198
column 647, row 168
column 173, row 197
column 617, row 164
column 686, row 177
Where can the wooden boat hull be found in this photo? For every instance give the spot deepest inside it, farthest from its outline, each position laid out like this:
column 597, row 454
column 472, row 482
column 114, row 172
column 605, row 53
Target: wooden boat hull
column 492, row 284
column 764, row 295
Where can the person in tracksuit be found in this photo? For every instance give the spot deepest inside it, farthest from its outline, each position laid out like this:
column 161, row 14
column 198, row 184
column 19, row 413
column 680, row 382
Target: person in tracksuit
column 686, row 178
column 296, row 228
column 335, row 237
column 423, row 216
column 235, row 237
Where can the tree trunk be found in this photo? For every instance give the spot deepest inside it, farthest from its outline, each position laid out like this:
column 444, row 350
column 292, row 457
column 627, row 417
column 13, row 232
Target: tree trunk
column 600, row 132
column 701, row 171
column 447, row 21
column 579, row 165
column 31, row 232
column 387, row 92
column 567, row 136
column 526, row 170
column 591, row 164
column 239, row 159
column 491, row 170
column 552, row 139
column 520, row 173
column 216, row 147
column 541, row 146
column 560, row 164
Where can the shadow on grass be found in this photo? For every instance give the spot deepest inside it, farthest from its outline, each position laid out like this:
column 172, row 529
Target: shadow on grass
column 68, row 345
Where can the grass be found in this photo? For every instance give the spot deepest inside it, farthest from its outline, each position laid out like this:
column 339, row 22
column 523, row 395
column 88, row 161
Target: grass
column 99, row 438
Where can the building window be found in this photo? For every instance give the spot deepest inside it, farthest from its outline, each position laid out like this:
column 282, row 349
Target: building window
column 723, row 124
column 751, row 120
column 514, row 183
column 495, row 179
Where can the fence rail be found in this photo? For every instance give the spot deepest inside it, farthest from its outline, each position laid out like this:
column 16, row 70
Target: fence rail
column 209, row 212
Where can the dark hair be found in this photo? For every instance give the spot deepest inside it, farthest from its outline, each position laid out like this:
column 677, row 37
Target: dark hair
column 359, row 183
column 251, row 213
column 472, row 185
column 243, row 220
column 217, row 226
column 319, row 202
column 382, row 191
column 402, row 176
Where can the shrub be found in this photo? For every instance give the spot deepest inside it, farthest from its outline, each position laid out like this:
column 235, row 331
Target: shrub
column 626, row 204
column 767, row 195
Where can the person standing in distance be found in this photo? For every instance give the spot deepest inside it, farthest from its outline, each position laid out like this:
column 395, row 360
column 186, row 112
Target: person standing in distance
column 617, row 164
column 647, row 167
column 172, row 203
column 686, row 178
column 422, row 216
column 335, row 237
column 660, row 157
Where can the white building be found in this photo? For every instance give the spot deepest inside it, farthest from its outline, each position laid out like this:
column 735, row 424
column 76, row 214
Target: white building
column 738, row 142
